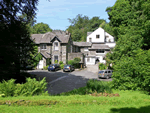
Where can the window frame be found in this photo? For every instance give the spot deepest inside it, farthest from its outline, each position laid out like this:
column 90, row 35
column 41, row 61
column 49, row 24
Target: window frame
column 90, row 39
column 56, row 59
column 43, row 47
column 98, row 36
column 56, row 46
column 100, row 51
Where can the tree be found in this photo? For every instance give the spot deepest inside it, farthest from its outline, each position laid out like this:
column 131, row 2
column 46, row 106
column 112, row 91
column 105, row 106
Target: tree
column 16, row 44
column 130, row 24
column 80, row 25
column 41, row 28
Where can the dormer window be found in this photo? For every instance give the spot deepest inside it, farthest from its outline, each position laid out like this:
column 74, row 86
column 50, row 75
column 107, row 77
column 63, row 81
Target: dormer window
column 43, row 46
column 90, row 39
column 97, row 36
column 55, row 45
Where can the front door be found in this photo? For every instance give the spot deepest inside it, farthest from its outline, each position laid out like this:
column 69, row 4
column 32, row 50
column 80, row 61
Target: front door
column 96, row 61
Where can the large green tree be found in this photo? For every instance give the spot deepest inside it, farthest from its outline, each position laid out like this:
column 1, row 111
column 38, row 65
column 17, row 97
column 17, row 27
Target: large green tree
column 131, row 55
column 15, row 43
column 41, row 28
column 80, row 25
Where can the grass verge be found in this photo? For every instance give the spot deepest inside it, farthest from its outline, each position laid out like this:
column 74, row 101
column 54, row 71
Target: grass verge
column 129, row 101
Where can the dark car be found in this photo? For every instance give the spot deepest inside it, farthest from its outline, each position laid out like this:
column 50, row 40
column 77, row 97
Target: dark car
column 68, row 68
column 54, row 67
column 105, row 73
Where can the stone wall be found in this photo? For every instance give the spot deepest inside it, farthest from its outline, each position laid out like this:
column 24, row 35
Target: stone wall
column 71, row 56
column 63, row 47
column 93, row 52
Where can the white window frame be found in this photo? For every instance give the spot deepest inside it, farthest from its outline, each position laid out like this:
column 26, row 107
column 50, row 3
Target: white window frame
column 86, row 49
column 55, row 48
column 43, row 46
column 89, row 39
column 57, row 59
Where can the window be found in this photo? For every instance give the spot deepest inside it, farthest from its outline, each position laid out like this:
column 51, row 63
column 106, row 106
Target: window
column 90, row 39
column 86, row 49
column 88, row 59
column 43, row 46
column 100, row 51
column 56, row 46
column 97, row 36
column 109, row 71
column 56, row 58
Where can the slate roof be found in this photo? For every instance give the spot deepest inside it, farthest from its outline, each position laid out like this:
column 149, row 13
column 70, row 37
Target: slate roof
column 47, row 37
column 88, row 33
column 46, row 54
column 80, row 44
column 99, row 46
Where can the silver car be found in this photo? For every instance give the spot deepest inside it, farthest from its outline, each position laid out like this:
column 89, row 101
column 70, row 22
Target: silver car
column 105, row 73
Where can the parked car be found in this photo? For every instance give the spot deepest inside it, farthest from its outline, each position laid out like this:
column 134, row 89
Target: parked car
column 68, row 68
column 105, row 73
column 54, row 67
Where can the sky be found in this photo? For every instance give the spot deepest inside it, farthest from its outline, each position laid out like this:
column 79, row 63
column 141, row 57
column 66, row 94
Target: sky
column 55, row 13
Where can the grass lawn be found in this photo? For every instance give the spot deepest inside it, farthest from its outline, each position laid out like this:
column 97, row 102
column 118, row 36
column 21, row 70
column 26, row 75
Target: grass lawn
column 128, row 102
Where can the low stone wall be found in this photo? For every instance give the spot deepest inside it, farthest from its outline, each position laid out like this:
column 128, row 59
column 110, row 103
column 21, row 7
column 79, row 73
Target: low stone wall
column 71, row 56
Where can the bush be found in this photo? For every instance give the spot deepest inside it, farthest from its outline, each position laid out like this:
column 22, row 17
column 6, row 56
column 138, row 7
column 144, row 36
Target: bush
column 7, row 87
column 61, row 66
column 99, row 86
column 102, row 66
column 46, row 67
column 133, row 73
column 71, row 62
column 75, row 62
column 56, row 62
column 60, row 62
column 30, row 88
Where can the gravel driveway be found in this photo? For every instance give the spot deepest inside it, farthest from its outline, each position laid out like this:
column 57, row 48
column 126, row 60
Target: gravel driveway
column 60, row 81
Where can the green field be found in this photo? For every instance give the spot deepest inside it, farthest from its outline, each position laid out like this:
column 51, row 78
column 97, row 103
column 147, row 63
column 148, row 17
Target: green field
column 128, row 102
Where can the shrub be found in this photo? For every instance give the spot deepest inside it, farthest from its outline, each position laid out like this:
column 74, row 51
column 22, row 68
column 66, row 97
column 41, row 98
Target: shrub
column 99, row 86
column 60, row 62
column 71, row 62
column 61, row 66
column 132, row 73
column 31, row 87
column 56, row 62
column 7, row 87
column 102, row 66
column 46, row 67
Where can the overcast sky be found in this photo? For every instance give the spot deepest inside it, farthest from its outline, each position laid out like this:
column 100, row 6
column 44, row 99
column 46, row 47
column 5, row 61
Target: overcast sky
column 56, row 12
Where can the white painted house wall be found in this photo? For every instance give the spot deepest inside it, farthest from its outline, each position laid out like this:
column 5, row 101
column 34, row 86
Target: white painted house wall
column 98, row 31
column 109, row 41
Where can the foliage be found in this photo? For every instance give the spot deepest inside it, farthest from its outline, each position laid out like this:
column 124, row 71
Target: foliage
column 48, row 61
column 75, row 62
column 99, row 86
column 45, row 67
column 91, row 87
column 41, row 28
column 62, row 66
column 71, row 62
column 60, row 62
column 80, row 25
column 130, row 57
column 102, row 66
column 15, row 29
column 56, row 62
column 30, row 88
column 36, row 59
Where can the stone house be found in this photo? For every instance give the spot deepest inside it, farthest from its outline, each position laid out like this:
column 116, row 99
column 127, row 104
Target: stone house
column 55, row 45
column 58, row 45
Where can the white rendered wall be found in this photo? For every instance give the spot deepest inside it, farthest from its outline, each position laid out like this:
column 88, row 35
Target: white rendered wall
column 98, row 31
column 111, row 38
column 111, row 45
column 91, row 62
